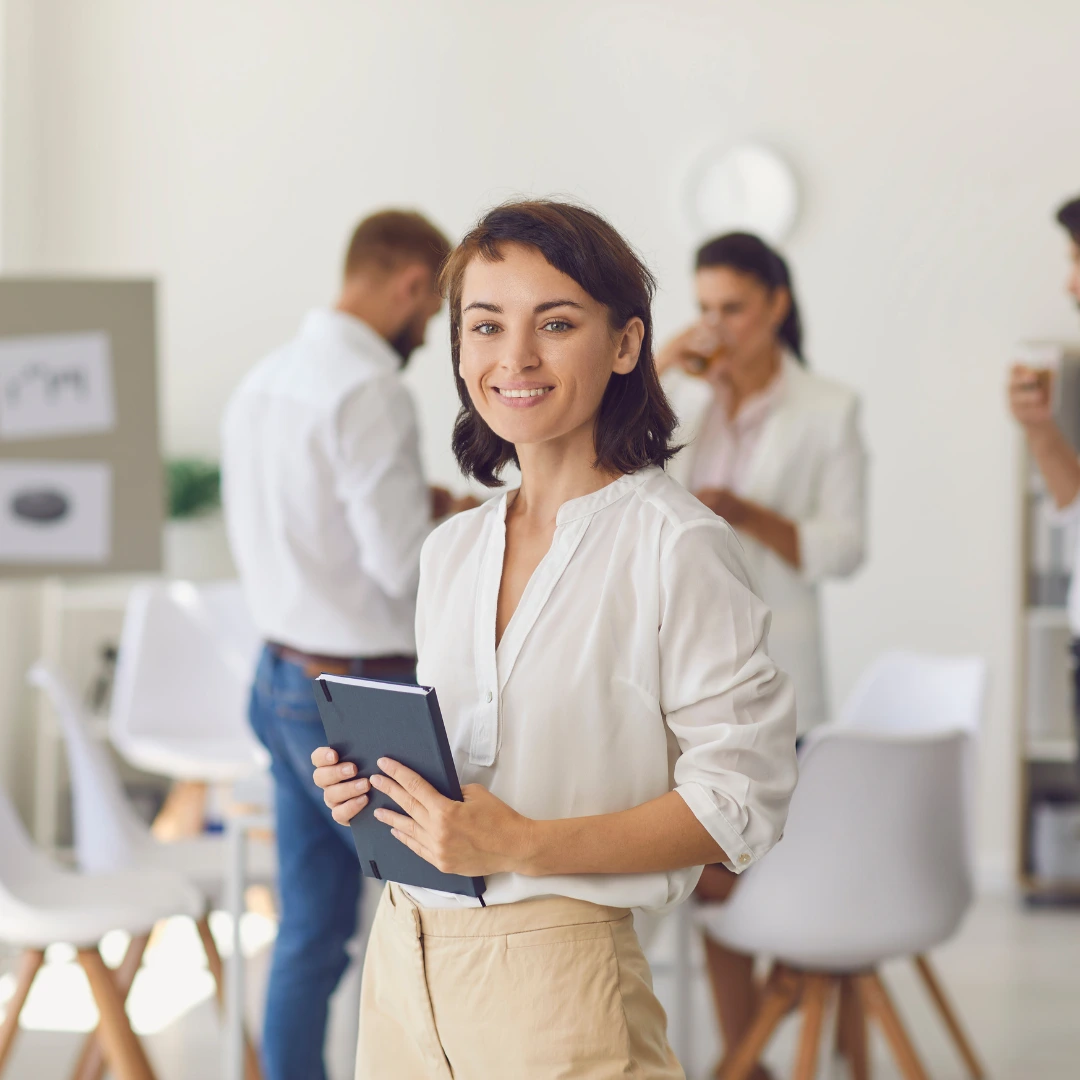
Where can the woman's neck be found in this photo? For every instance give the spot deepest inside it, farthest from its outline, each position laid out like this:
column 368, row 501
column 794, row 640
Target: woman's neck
column 752, row 379
column 553, row 473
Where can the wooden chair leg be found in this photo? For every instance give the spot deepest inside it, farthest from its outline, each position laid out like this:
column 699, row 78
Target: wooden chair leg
column 877, row 1003
column 948, row 1014
column 252, row 1069
column 851, row 1030
column 29, row 965
column 91, row 1063
column 183, row 813
column 814, row 999
column 781, row 991
column 123, row 1051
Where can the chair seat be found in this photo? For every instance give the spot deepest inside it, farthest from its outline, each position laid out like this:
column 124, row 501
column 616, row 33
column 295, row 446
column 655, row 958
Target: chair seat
column 58, row 905
column 211, row 760
column 203, row 860
column 859, row 948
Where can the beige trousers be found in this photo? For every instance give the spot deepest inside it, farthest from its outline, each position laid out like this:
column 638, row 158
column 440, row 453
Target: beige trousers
column 549, row 989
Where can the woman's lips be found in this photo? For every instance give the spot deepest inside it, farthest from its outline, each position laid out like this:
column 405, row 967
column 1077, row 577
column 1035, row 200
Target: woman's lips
column 522, row 398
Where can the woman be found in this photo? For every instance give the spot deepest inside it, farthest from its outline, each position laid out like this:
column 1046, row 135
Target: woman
column 776, row 451
column 769, row 446
column 600, row 661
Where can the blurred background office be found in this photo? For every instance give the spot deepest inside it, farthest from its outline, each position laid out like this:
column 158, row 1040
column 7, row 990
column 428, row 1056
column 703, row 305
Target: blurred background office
column 224, row 151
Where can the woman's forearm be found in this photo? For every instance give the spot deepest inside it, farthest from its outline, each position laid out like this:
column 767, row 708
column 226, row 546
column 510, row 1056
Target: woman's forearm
column 655, row 837
column 1057, row 461
column 774, row 531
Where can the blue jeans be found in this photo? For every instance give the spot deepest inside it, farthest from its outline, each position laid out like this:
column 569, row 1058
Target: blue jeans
column 319, row 876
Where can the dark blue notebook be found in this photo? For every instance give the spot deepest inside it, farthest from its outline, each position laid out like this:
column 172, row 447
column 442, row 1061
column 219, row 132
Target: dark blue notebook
column 365, row 720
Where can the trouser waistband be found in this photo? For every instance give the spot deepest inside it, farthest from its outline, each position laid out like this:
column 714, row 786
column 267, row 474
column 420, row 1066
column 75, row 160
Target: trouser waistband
column 396, row 666
column 499, row 919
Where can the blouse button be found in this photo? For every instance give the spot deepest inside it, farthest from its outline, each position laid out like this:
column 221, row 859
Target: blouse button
column 744, row 858
column 489, row 695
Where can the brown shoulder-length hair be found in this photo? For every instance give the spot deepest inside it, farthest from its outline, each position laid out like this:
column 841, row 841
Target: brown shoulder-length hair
column 635, row 421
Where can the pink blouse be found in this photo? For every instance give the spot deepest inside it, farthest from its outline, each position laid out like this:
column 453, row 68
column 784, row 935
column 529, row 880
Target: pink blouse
column 725, row 448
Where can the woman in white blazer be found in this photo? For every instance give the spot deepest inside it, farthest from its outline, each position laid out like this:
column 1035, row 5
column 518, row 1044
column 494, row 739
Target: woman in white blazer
column 776, row 450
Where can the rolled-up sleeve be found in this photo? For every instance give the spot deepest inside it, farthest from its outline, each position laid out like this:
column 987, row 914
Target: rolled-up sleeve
column 380, row 482
column 832, row 540
column 730, row 708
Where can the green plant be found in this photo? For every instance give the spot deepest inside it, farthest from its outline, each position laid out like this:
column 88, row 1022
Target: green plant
column 193, row 486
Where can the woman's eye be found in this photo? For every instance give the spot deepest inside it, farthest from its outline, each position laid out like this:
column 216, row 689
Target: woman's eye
column 485, row 328
column 557, row 326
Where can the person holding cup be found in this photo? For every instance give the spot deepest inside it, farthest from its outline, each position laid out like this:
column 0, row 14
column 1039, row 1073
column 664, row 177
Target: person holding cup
column 770, row 446
column 1031, row 402
column 776, row 450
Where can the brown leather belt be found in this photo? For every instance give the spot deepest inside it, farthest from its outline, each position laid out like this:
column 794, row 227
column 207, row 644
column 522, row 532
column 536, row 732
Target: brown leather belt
column 373, row 667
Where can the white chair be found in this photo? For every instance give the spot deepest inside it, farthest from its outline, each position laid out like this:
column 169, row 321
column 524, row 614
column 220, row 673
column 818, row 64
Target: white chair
column 912, row 692
column 42, row 904
column 183, row 676
column 109, row 835
column 872, row 866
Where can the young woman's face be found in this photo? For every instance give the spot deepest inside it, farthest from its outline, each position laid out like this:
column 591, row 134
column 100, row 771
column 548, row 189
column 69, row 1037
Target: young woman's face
column 744, row 313
column 537, row 350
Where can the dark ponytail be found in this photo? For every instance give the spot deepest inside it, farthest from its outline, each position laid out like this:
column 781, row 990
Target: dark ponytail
column 749, row 254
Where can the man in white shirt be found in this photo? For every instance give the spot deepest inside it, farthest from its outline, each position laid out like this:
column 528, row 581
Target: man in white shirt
column 327, row 508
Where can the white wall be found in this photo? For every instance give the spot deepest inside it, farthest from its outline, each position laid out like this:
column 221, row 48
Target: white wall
column 228, row 147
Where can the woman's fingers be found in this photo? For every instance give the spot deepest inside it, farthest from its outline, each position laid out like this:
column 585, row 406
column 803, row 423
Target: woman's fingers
column 338, row 794
column 324, row 755
column 407, row 788
column 414, row 845
column 327, row 775
column 344, row 812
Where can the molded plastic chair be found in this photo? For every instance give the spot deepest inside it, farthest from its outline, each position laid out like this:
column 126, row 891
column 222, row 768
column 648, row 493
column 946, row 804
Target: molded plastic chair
column 183, row 677
column 872, row 866
column 918, row 692
column 42, row 904
column 109, row 835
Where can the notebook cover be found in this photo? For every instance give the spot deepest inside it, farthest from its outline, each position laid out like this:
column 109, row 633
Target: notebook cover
column 365, row 720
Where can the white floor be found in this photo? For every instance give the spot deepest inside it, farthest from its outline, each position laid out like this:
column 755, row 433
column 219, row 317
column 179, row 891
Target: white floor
column 1014, row 974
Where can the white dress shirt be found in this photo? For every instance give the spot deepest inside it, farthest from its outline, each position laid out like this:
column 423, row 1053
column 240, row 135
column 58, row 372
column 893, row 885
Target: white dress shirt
column 635, row 663
column 325, row 499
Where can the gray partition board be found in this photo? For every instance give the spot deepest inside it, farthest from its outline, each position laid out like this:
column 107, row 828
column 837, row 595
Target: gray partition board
column 125, row 450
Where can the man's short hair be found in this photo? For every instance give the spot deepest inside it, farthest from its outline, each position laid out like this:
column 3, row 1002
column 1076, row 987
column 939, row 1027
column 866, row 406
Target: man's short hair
column 1069, row 217
column 391, row 238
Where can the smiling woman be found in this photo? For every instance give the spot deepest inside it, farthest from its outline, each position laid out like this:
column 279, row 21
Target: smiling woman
column 600, row 659
column 609, row 288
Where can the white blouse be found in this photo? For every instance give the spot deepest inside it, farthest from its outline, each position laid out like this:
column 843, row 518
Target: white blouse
column 635, row 663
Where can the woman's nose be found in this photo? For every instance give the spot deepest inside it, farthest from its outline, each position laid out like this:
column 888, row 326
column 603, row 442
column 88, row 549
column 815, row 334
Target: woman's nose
column 519, row 352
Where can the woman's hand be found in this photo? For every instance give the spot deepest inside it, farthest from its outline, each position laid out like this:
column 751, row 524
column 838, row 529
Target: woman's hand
column 476, row 837
column 692, row 349
column 1029, row 397
column 342, row 791
column 724, row 503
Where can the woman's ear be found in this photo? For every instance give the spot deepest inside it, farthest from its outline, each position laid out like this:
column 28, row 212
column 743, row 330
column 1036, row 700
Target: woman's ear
column 780, row 305
column 630, row 338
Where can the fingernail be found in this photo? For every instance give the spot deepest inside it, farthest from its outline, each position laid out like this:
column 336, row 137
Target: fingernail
column 379, row 815
column 349, row 770
column 376, row 781
column 361, row 785
column 383, row 762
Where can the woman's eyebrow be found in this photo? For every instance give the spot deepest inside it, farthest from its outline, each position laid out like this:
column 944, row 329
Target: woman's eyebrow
column 483, row 307
column 549, row 304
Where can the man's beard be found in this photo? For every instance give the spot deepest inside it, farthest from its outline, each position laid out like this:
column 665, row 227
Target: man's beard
column 405, row 343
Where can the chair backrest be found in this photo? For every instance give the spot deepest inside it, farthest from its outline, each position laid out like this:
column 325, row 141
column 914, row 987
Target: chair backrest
column 185, row 665
column 918, row 692
column 108, row 832
column 872, row 863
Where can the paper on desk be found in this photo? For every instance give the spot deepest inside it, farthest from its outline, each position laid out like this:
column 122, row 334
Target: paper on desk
column 56, row 384
column 55, row 512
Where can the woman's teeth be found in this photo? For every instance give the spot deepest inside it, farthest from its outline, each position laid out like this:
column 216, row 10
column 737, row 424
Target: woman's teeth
column 526, row 393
